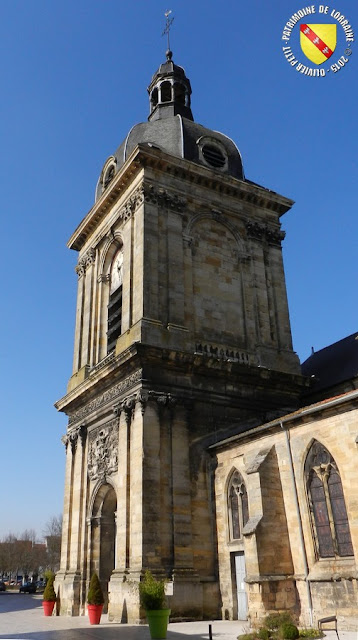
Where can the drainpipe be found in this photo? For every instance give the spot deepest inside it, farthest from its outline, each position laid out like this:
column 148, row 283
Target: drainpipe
column 300, row 529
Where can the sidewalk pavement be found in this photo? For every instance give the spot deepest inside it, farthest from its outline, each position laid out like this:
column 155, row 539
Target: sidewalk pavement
column 31, row 624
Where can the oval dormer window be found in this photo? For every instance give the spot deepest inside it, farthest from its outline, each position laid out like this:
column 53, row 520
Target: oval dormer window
column 108, row 176
column 212, row 153
column 213, row 156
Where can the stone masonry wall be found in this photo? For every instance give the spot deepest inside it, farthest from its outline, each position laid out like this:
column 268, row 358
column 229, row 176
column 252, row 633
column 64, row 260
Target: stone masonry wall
column 332, row 581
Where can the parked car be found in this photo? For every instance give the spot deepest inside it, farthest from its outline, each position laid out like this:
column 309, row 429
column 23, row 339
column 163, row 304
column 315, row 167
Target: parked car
column 2, row 586
column 41, row 584
column 28, row 587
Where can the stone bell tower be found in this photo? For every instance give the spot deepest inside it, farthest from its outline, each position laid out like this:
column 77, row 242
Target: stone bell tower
column 182, row 339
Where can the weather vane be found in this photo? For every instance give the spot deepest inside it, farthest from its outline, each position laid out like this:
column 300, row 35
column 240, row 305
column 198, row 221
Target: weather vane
column 169, row 22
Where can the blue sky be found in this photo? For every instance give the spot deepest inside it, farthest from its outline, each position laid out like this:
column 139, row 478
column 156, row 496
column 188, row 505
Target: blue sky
column 74, row 77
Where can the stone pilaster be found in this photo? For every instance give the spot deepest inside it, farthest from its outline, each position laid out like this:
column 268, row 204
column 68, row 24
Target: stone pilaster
column 69, row 580
column 123, row 585
column 78, row 491
column 122, row 551
column 78, row 327
column 88, row 308
column 100, row 342
column 176, row 271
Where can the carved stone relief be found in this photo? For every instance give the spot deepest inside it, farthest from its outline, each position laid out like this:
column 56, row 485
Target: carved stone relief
column 105, row 397
column 103, row 451
column 86, row 261
column 163, row 198
column 263, row 233
column 127, row 406
column 225, row 353
column 148, row 193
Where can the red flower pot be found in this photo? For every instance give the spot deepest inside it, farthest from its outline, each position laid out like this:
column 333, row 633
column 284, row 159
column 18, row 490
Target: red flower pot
column 48, row 606
column 94, row 613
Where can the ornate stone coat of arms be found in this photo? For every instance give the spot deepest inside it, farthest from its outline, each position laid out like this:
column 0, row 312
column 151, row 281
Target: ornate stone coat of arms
column 103, row 452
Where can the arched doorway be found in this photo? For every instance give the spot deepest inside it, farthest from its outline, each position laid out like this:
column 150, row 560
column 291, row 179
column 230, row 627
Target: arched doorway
column 103, row 535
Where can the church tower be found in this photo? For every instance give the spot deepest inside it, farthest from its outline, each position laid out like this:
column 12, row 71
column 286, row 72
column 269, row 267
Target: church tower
column 182, row 339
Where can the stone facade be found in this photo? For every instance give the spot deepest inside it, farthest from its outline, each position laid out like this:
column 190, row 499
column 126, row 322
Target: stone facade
column 182, row 350
column 204, row 346
column 284, row 569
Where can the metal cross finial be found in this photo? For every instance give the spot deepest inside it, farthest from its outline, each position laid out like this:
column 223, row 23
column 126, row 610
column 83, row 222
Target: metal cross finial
column 169, row 22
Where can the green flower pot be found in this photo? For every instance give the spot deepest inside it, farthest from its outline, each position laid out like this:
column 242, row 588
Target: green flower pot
column 158, row 623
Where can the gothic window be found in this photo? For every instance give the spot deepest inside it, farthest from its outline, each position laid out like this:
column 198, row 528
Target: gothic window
column 327, row 506
column 115, row 302
column 237, row 506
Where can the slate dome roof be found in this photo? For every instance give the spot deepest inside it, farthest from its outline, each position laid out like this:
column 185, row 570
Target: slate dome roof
column 172, row 129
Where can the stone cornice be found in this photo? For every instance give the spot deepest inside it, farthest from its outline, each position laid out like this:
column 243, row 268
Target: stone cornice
column 97, row 374
column 105, row 397
column 144, row 156
column 116, row 189
column 125, row 406
column 79, row 403
column 243, row 190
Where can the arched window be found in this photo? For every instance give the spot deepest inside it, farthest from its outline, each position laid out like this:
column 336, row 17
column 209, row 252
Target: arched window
column 179, row 93
column 115, row 302
column 108, row 176
column 154, row 97
column 327, row 506
column 238, row 507
column 165, row 92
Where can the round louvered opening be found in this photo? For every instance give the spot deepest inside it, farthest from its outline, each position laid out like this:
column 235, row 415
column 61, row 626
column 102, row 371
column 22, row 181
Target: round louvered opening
column 213, row 156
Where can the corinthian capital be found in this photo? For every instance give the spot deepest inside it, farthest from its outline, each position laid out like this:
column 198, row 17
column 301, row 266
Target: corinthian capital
column 128, row 406
column 85, row 261
column 65, row 441
column 142, row 398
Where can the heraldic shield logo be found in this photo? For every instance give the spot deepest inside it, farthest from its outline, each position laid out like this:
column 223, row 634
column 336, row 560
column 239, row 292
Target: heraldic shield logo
column 318, row 41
